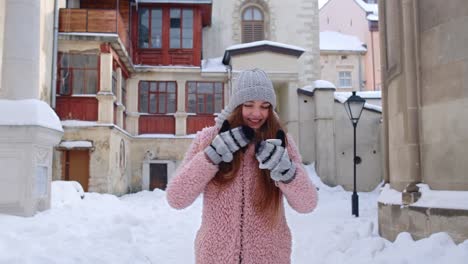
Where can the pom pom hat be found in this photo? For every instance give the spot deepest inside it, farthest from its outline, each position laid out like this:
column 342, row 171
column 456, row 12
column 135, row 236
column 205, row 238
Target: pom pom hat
column 251, row 85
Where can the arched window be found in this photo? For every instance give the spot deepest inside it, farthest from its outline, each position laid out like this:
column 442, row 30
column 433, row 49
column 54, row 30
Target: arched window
column 253, row 25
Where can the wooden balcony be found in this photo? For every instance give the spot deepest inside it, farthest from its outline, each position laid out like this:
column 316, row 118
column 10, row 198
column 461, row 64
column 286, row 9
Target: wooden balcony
column 77, row 108
column 94, row 21
column 156, row 124
column 198, row 122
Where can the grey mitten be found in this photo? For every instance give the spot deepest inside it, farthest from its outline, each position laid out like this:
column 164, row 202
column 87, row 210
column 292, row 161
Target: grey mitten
column 273, row 155
column 227, row 142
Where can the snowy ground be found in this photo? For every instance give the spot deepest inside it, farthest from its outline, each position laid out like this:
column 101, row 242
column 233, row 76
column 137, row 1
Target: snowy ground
column 142, row 228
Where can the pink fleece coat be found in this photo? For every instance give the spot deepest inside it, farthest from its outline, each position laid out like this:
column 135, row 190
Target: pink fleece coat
column 231, row 231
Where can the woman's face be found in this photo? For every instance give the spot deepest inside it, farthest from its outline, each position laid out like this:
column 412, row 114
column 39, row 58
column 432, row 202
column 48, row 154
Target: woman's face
column 255, row 113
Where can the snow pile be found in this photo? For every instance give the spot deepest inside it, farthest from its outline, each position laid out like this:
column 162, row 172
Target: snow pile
column 65, row 193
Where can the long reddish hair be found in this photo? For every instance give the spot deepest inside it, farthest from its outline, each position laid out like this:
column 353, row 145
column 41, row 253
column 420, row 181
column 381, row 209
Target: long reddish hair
column 267, row 195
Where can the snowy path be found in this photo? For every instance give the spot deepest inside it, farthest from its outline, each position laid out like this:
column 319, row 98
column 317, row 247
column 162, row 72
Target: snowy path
column 142, row 228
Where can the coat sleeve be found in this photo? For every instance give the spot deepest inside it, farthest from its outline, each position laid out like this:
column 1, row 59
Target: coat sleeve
column 300, row 193
column 193, row 174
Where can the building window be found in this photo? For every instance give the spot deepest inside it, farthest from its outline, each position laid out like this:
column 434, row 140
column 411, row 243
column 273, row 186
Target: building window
column 344, row 79
column 73, row 4
column 253, row 28
column 204, row 97
column 78, row 74
column 150, row 25
column 181, row 31
column 157, row 97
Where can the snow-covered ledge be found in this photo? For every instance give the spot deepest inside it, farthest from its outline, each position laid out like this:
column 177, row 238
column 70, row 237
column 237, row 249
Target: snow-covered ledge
column 431, row 208
column 29, row 130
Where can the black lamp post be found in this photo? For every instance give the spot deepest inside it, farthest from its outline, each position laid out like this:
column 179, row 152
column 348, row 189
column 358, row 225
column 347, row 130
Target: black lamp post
column 354, row 106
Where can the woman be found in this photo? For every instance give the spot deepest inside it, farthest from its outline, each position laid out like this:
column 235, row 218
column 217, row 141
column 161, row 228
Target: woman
column 244, row 166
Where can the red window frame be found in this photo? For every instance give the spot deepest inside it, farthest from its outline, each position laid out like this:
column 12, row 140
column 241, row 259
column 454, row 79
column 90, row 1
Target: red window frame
column 150, row 19
column 166, row 27
column 71, row 70
column 205, row 97
column 181, row 27
column 159, row 91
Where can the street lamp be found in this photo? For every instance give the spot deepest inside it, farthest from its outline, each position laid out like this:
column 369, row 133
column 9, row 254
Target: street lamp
column 354, row 106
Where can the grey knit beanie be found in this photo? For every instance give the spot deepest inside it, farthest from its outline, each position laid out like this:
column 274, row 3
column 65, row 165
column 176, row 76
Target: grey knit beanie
column 251, row 85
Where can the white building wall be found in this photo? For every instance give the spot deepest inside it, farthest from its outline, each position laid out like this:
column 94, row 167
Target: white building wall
column 45, row 52
column 300, row 30
column 344, row 16
column 333, row 63
column 347, row 17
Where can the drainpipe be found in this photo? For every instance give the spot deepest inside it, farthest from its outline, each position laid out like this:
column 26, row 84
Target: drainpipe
column 373, row 60
column 360, row 71
column 54, row 57
column 229, row 69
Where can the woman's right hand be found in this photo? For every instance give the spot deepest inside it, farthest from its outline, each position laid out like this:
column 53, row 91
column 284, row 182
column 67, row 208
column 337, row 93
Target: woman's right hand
column 227, row 142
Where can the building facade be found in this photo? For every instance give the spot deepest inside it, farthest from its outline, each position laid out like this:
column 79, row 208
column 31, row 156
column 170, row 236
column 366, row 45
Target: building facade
column 358, row 18
column 425, row 129
column 341, row 60
column 135, row 80
column 131, row 82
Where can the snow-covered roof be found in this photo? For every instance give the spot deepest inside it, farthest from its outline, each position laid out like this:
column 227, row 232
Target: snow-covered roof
column 317, row 84
column 336, row 41
column 213, row 65
column 363, row 94
column 175, row 1
column 343, row 96
column 32, row 112
column 321, row 3
column 370, row 8
column 261, row 45
column 76, row 144
column 373, row 17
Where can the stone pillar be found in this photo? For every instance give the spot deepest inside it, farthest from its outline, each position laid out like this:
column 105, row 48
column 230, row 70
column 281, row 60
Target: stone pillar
column 26, row 144
column 411, row 116
column 181, row 114
column 105, row 96
column 120, row 106
column 26, row 152
column 325, row 133
column 132, row 123
column 292, row 118
column 132, row 106
column 21, row 50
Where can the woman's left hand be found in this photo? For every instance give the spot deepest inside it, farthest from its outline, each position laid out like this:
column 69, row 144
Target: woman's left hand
column 273, row 155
